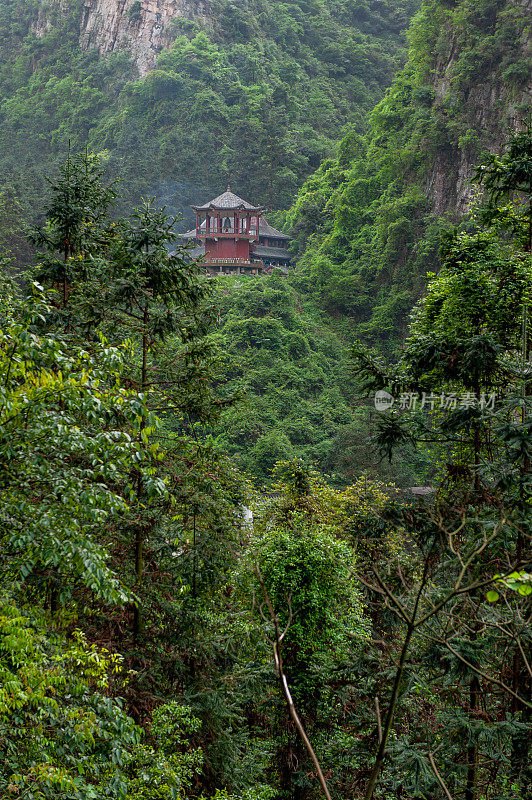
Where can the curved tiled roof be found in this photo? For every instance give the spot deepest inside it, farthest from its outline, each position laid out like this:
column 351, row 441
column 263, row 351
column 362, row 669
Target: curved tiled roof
column 228, row 200
column 191, row 234
column 265, row 229
column 272, row 252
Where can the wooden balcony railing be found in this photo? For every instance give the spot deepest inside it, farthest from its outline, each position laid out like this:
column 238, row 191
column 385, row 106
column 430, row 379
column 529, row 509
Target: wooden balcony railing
column 203, row 234
column 236, row 262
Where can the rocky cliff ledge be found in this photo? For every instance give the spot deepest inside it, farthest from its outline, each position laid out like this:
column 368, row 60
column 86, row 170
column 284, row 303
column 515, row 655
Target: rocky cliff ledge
column 144, row 27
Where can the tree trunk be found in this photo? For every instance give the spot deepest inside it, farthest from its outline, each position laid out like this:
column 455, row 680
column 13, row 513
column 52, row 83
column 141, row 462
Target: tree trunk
column 139, row 533
column 139, row 569
column 520, row 765
column 472, row 750
column 390, row 714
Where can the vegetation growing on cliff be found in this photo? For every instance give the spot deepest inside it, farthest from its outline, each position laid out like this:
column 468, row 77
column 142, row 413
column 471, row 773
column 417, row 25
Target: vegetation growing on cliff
column 365, row 227
column 259, row 97
column 302, row 399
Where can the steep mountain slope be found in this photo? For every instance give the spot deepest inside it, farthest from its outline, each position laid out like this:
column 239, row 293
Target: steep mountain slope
column 300, row 396
column 368, row 223
column 185, row 95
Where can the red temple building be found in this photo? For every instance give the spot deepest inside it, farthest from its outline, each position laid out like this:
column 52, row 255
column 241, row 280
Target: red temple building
column 233, row 237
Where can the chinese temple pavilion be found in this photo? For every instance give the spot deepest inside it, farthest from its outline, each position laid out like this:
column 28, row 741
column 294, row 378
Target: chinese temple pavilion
column 233, row 237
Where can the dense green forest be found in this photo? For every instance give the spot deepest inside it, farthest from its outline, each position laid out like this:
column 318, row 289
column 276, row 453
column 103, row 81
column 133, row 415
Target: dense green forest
column 300, row 396
column 232, row 100
column 365, row 225
column 258, row 97
column 366, row 236
column 216, row 581
column 157, row 641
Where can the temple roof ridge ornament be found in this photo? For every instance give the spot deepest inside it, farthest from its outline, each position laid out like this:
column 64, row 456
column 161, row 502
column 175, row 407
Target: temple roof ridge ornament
column 228, row 201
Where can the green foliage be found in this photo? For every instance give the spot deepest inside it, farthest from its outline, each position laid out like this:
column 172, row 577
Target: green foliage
column 469, row 336
column 507, row 178
column 301, row 555
column 471, row 313
column 306, row 569
column 173, row 542
column 471, row 332
column 135, row 11
column 301, row 397
column 13, row 243
column 289, row 363
column 62, row 735
column 166, row 768
column 65, row 736
column 246, row 95
column 266, row 84
column 95, row 485
column 66, row 443
column 364, row 230
column 52, row 93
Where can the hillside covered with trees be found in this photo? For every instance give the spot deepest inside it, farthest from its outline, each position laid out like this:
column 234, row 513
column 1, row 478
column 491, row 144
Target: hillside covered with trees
column 156, row 640
column 255, row 94
column 227, row 573
column 368, row 224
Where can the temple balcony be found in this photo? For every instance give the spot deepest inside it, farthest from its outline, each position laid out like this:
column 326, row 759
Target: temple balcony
column 203, row 234
column 237, row 262
column 230, row 266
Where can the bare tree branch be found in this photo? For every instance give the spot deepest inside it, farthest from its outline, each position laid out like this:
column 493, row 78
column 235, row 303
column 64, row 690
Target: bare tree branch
column 282, row 677
column 438, row 776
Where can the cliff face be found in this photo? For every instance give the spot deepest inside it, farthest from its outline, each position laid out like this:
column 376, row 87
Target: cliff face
column 144, row 27
column 489, row 106
column 368, row 225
